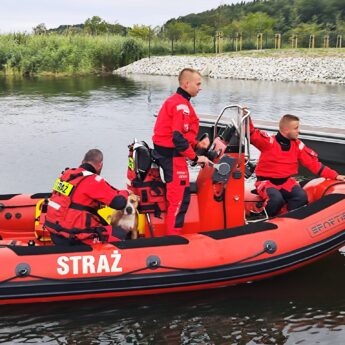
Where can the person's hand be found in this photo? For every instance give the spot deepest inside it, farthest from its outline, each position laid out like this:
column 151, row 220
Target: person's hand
column 204, row 143
column 245, row 110
column 340, row 178
column 202, row 161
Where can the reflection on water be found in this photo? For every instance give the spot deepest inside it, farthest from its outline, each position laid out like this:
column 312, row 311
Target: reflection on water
column 48, row 124
column 71, row 86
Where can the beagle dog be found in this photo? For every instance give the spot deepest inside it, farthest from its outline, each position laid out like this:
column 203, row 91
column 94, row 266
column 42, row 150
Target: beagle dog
column 127, row 219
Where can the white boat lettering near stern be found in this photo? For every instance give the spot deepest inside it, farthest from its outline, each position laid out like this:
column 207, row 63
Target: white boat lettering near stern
column 89, row 264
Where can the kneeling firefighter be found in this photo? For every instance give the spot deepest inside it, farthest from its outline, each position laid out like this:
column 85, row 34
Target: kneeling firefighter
column 77, row 196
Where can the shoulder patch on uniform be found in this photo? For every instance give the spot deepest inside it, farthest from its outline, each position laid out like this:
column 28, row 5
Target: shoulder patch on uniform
column 301, row 145
column 184, row 108
column 267, row 136
column 310, row 151
column 99, row 178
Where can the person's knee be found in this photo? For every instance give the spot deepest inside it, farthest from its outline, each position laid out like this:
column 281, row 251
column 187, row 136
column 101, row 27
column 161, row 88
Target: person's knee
column 275, row 202
column 298, row 198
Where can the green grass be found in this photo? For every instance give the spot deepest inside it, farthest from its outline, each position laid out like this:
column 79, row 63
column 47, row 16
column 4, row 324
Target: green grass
column 56, row 54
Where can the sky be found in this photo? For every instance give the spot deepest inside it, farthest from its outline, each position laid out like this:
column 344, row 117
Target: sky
column 23, row 15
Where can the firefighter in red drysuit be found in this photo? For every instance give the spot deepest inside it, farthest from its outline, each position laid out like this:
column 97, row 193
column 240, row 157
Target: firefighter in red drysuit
column 174, row 140
column 279, row 158
column 77, row 195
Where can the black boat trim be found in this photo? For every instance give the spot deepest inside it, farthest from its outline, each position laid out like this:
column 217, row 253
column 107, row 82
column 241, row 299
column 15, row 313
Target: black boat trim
column 44, row 250
column 172, row 240
column 7, row 196
column 311, row 209
column 41, row 196
column 250, row 228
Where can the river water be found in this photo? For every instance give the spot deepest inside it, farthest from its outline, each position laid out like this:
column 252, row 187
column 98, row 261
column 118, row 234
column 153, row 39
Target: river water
column 48, row 124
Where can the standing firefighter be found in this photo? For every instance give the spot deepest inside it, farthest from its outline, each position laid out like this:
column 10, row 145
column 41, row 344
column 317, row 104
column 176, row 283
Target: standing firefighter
column 175, row 139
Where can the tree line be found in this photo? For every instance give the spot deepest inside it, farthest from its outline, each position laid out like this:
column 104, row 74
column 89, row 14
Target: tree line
column 247, row 19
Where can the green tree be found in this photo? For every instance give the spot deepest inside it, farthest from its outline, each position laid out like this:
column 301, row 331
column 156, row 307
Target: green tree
column 95, row 26
column 256, row 22
column 309, row 9
column 116, row 29
column 340, row 25
column 312, row 28
column 143, row 32
column 40, row 29
column 175, row 30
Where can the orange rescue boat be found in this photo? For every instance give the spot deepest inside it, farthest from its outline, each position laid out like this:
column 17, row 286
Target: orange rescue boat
column 227, row 238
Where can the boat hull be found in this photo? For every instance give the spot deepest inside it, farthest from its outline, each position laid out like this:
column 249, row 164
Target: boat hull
column 169, row 264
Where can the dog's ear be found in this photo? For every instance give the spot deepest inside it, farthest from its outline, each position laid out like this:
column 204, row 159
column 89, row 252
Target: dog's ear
column 115, row 217
column 134, row 197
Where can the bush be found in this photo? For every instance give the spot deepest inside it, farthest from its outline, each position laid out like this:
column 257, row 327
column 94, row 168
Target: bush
column 39, row 54
column 131, row 51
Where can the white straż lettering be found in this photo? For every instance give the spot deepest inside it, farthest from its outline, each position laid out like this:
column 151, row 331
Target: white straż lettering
column 75, row 260
column 117, row 257
column 103, row 264
column 64, row 268
column 88, row 264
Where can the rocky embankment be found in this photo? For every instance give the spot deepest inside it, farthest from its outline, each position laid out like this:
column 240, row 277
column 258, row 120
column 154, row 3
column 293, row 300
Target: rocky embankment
column 322, row 69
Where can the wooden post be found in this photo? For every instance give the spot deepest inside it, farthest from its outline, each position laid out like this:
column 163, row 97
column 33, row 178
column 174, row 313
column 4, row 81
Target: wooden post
column 221, row 37
column 194, row 41
column 150, row 32
column 149, row 46
column 326, row 41
column 312, row 41
column 294, row 41
column 219, row 42
column 339, row 41
column 277, row 41
column 259, row 41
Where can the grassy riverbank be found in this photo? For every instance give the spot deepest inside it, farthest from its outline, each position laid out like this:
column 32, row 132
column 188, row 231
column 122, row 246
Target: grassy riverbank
column 22, row 54
column 58, row 55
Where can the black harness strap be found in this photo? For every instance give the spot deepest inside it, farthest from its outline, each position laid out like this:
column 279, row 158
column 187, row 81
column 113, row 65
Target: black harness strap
column 74, row 176
column 79, row 207
column 75, row 231
column 151, row 207
column 153, row 184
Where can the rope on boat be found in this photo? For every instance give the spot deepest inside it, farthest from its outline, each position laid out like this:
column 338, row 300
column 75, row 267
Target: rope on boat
column 153, row 262
column 270, row 247
column 71, row 280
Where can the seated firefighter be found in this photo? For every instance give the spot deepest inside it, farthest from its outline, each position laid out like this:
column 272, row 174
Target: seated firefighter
column 77, row 195
column 278, row 162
